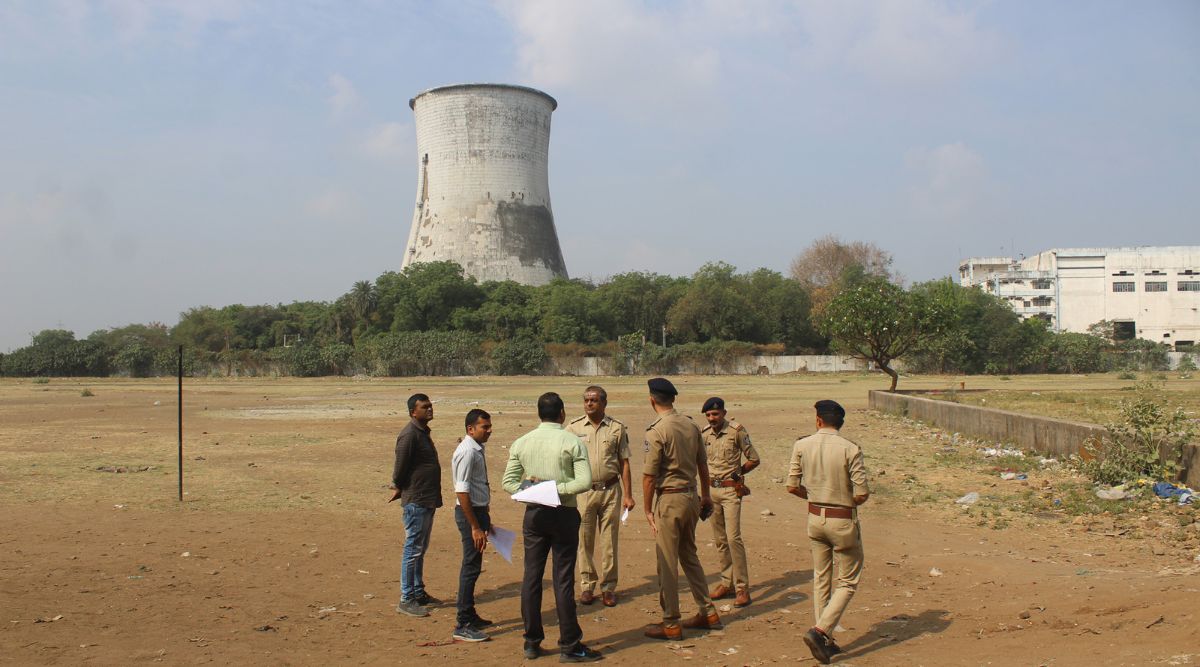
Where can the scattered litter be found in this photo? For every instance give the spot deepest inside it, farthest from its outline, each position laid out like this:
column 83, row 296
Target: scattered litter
column 118, row 507
column 326, row 610
column 186, row 554
column 1155, row 622
column 363, row 572
column 48, row 620
column 266, row 628
column 729, row 651
column 767, row 513
column 969, row 499
column 999, row 451
column 677, row 647
column 368, row 596
column 725, row 607
column 934, row 572
column 158, row 402
column 1115, row 493
column 1048, row 462
column 1168, row 490
column 1013, row 475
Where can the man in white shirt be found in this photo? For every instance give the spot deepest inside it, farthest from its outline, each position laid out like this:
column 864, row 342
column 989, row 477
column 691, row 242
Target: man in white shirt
column 472, row 496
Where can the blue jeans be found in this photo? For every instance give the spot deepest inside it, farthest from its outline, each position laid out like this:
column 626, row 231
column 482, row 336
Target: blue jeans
column 418, row 526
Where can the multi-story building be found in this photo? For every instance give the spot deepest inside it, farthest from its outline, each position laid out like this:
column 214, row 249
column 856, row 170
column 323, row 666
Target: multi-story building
column 1146, row 292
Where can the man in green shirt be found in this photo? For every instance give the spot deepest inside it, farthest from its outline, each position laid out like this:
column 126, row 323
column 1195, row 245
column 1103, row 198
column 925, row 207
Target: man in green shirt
column 550, row 453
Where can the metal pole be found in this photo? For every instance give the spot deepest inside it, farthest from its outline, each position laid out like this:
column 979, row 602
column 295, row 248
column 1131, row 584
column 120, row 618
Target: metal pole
column 180, row 423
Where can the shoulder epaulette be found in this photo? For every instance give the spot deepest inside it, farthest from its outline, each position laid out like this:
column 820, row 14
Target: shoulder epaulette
column 578, row 419
column 736, row 426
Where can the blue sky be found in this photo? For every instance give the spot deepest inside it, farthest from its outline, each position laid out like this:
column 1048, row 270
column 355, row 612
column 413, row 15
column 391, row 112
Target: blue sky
column 162, row 155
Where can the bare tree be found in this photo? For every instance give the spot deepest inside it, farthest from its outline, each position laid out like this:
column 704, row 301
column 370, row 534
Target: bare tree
column 824, row 261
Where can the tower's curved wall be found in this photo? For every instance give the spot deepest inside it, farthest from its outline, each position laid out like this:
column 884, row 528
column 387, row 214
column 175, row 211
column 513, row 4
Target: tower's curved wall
column 483, row 194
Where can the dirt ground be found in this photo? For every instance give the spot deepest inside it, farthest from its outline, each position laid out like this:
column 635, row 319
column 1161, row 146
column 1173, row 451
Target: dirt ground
column 284, row 550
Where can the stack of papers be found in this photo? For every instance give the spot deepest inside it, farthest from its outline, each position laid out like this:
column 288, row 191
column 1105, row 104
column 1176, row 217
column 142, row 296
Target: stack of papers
column 542, row 493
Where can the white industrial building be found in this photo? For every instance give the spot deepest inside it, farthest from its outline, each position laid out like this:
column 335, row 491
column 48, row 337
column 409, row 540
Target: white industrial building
column 1147, row 292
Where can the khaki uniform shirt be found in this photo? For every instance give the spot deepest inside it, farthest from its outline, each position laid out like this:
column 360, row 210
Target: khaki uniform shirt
column 674, row 451
column 726, row 449
column 830, row 467
column 607, row 445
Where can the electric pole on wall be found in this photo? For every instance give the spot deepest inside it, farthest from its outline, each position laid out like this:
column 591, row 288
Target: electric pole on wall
column 664, row 335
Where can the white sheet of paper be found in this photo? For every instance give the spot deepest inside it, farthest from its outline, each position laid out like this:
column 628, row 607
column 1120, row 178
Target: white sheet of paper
column 503, row 539
column 542, row 493
column 624, row 515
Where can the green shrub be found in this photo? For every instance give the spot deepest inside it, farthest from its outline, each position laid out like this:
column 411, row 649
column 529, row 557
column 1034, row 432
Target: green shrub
column 41, row 380
column 1126, row 375
column 1186, row 364
column 519, row 356
column 1147, row 442
column 86, row 392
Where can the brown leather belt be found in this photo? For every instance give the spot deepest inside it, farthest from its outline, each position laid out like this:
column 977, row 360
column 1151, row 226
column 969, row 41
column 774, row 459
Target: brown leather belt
column 723, row 483
column 599, row 486
column 830, row 512
column 674, row 489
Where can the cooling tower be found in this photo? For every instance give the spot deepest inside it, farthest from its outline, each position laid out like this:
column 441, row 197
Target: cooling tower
column 483, row 194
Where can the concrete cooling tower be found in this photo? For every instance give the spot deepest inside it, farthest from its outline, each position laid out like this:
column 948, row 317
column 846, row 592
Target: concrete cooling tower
column 483, row 194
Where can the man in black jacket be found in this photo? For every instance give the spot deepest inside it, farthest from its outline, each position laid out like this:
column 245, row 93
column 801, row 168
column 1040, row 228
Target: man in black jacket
column 417, row 478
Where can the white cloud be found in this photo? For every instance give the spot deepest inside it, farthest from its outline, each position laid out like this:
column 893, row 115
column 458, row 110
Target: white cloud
column 389, row 141
column 345, row 95
column 951, row 184
column 676, row 56
column 621, row 52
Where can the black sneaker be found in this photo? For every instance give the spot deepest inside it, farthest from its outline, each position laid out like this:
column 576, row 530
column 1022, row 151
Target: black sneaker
column 427, row 600
column 467, row 633
column 412, row 608
column 818, row 643
column 580, row 653
column 532, row 650
column 479, row 622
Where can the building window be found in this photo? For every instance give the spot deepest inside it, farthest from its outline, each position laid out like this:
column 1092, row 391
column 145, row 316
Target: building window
column 1122, row 273
column 1042, row 301
column 1156, row 286
column 1189, row 286
column 1041, row 283
column 1185, row 345
column 1125, row 287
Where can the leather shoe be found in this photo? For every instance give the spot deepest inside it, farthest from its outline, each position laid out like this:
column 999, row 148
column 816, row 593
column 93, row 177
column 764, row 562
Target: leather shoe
column 662, row 631
column 742, row 599
column 818, row 643
column 721, row 591
column 586, row 597
column 532, row 650
column 699, row 621
column 610, row 598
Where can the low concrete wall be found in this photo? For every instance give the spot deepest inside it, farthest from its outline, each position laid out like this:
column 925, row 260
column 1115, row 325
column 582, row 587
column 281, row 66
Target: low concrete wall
column 748, row 365
column 1053, row 437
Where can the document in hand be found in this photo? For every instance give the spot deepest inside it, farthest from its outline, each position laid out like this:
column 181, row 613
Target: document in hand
column 503, row 539
column 542, row 493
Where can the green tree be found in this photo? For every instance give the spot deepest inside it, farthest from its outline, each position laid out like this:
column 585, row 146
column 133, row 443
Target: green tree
column 879, row 322
column 714, row 308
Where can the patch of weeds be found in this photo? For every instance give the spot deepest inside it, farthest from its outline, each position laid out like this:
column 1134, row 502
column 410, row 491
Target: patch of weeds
column 1126, row 375
column 86, row 392
column 1005, row 378
column 41, row 380
column 1147, row 441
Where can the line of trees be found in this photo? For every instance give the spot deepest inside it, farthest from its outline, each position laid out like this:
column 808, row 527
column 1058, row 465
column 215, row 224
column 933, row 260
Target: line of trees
column 433, row 319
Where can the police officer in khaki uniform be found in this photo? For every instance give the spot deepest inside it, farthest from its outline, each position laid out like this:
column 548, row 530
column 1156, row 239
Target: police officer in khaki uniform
column 608, row 450
column 727, row 443
column 674, row 503
column 828, row 471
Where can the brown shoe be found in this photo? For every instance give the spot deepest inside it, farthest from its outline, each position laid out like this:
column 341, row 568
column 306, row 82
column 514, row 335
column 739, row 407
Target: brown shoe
column 742, row 599
column 721, row 591
column 661, row 631
column 609, row 598
column 586, row 597
column 710, row 622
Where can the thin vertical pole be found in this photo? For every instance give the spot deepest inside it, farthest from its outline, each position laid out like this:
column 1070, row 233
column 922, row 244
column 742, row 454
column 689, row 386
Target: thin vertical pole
column 180, row 401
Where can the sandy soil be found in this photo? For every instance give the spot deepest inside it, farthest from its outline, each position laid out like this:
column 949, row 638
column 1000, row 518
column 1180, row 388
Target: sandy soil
column 285, row 552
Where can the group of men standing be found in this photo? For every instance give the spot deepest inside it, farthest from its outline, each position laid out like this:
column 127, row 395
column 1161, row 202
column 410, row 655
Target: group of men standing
column 689, row 474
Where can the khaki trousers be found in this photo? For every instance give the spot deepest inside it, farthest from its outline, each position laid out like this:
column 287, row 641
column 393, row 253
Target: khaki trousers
column 675, row 515
column 600, row 512
column 727, row 535
column 837, row 564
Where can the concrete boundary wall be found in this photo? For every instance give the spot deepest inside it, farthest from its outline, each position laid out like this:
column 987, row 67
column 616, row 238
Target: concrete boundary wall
column 1046, row 435
column 747, row 365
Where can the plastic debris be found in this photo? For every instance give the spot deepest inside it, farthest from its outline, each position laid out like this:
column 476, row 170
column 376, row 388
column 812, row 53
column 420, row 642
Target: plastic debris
column 969, row 499
column 1000, row 451
column 1115, row 493
column 934, row 572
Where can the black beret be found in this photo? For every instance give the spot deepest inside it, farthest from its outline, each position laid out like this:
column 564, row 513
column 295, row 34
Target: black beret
column 662, row 386
column 714, row 403
column 830, row 407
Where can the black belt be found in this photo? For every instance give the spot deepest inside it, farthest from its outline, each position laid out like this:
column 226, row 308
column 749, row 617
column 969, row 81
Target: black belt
column 600, row 486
